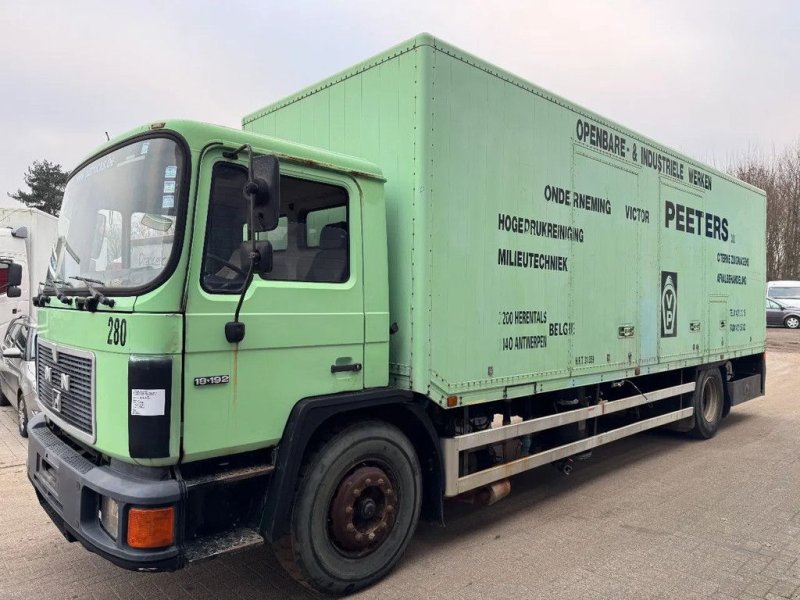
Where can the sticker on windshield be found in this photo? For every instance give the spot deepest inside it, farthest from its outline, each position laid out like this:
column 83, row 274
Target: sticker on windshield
column 168, row 201
column 145, row 148
column 171, row 172
column 169, row 187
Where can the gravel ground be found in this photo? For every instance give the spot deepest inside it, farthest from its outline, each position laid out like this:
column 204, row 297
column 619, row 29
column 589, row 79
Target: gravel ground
column 654, row 516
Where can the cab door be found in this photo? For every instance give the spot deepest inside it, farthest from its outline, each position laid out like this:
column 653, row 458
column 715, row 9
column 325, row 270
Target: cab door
column 304, row 321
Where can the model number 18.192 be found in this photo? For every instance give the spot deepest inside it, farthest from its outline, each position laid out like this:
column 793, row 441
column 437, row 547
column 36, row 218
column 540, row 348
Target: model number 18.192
column 212, row 380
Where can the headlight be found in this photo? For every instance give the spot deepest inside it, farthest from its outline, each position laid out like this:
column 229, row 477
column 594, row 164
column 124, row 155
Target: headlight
column 109, row 516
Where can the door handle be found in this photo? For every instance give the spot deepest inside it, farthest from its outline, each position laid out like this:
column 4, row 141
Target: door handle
column 355, row 367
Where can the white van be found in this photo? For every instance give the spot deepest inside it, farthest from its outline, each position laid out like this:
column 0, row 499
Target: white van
column 787, row 292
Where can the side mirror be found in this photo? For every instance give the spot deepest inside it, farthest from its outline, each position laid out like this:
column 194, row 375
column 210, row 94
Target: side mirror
column 264, row 192
column 14, row 275
column 13, row 292
column 12, row 352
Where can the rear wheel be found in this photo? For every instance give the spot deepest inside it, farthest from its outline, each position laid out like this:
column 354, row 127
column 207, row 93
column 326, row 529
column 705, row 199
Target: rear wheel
column 792, row 322
column 355, row 510
column 22, row 416
column 709, row 402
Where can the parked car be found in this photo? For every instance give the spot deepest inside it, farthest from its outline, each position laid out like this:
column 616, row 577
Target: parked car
column 781, row 315
column 18, row 370
column 786, row 292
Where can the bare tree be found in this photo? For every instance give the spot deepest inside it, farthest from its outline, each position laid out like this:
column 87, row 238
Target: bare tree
column 779, row 176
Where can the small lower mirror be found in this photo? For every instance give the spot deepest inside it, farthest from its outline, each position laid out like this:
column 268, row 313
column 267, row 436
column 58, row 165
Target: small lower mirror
column 234, row 332
column 14, row 292
column 263, row 264
column 12, row 352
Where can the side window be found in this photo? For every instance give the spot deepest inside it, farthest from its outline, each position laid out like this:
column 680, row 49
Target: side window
column 311, row 242
column 317, row 220
column 224, row 268
column 278, row 237
column 318, row 232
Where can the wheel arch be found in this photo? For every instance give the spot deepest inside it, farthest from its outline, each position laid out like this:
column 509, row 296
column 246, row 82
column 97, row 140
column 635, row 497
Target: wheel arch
column 312, row 418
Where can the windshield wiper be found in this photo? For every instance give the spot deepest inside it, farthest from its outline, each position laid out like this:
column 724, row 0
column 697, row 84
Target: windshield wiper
column 59, row 291
column 97, row 297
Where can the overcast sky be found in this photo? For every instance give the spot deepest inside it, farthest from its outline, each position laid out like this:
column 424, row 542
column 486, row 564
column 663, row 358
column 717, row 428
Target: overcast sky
column 714, row 79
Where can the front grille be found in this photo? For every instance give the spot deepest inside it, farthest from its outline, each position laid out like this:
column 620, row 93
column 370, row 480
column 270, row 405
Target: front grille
column 65, row 381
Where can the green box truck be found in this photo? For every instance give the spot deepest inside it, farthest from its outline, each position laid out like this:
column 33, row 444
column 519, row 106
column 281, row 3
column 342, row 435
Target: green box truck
column 406, row 283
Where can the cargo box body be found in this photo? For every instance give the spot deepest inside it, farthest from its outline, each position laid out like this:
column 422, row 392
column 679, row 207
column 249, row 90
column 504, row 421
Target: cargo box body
column 534, row 245
column 32, row 252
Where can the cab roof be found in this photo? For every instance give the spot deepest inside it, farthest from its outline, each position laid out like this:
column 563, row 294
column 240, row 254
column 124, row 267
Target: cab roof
column 198, row 135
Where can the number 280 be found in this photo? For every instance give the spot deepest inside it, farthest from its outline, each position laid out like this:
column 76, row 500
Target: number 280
column 117, row 331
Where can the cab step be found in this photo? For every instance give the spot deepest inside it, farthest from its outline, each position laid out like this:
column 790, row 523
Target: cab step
column 225, row 476
column 212, row 546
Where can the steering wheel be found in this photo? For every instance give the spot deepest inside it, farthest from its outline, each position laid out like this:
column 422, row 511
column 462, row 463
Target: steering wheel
column 228, row 264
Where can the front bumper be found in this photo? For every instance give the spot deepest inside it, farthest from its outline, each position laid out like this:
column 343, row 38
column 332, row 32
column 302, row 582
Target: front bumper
column 69, row 488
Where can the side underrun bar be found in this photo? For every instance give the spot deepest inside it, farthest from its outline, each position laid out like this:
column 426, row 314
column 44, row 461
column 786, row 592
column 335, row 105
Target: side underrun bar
column 452, row 447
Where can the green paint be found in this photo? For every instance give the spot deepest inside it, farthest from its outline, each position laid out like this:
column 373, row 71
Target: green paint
column 461, row 144
column 486, row 175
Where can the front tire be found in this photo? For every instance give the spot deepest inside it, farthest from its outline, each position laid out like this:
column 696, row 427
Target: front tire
column 709, row 403
column 355, row 510
column 792, row 322
column 22, row 416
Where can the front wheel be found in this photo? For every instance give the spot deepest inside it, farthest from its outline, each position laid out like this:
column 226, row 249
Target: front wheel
column 355, row 510
column 22, row 416
column 792, row 322
column 708, row 402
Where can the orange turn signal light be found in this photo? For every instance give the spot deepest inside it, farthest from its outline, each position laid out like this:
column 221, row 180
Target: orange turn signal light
column 151, row 527
column 452, row 401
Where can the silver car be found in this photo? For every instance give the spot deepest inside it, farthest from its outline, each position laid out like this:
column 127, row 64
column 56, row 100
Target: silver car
column 781, row 315
column 18, row 370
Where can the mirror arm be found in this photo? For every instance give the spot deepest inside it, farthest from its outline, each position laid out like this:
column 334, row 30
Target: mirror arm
column 234, row 154
column 235, row 330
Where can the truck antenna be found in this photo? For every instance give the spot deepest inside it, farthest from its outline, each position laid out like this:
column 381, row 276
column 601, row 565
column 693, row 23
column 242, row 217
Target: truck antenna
column 108, row 139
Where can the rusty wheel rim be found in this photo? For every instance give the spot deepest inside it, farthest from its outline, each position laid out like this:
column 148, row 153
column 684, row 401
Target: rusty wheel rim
column 362, row 511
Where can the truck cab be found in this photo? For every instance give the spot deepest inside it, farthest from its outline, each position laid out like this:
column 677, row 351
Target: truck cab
column 169, row 430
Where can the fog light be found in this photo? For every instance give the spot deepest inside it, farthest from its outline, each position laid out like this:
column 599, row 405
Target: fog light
column 109, row 516
column 151, row 527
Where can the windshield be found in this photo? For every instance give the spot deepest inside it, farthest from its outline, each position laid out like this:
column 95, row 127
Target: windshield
column 118, row 218
column 784, row 292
